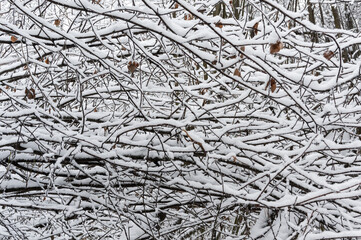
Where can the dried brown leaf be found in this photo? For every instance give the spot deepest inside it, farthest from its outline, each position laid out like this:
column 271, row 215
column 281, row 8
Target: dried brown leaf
column 132, row 65
column 13, row 39
column 219, row 24
column 243, row 48
column 276, row 47
column 57, row 22
column 255, row 28
column 328, row 54
column 188, row 17
column 237, row 72
column 273, row 85
column 30, row 93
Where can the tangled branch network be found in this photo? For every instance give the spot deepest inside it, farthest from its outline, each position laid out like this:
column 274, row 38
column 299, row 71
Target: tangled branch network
column 177, row 120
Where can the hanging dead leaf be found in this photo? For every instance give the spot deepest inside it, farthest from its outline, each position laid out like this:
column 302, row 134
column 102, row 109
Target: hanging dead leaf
column 255, row 28
column 30, row 93
column 95, row 110
column 7, row 86
column 328, row 54
column 13, row 39
column 276, row 47
column 57, row 22
column 271, row 83
column 219, row 24
column 237, row 72
column 132, row 65
column 214, row 62
column 230, row 2
column 243, row 48
column 47, row 61
column 188, row 17
column 176, row 6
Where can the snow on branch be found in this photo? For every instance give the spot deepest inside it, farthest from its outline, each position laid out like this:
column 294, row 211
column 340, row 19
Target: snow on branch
column 178, row 120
